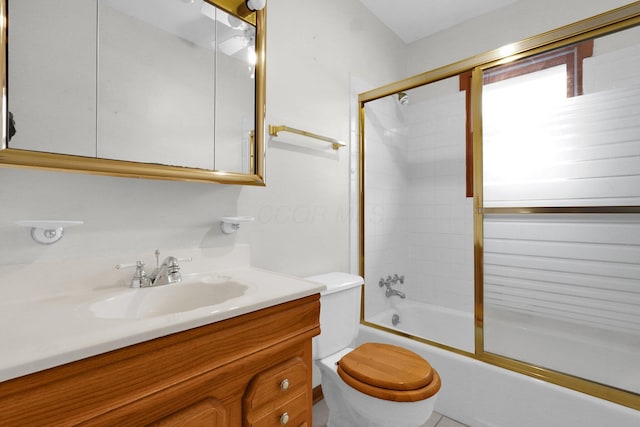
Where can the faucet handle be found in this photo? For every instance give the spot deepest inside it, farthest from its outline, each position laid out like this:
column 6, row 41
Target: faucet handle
column 157, row 254
column 129, row 265
column 140, row 278
column 397, row 279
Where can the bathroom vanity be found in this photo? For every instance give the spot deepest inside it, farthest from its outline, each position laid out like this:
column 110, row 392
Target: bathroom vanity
column 251, row 370
column 228, row 345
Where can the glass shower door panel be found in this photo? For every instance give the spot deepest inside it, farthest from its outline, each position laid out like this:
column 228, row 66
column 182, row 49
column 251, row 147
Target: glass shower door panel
column 418, row 220
column 563, row 293
column 561, row 225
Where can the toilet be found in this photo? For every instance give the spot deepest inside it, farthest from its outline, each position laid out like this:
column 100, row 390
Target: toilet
column 375, row 384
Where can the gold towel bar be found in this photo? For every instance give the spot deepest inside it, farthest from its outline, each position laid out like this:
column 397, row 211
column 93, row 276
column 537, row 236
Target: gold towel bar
column 273, row 131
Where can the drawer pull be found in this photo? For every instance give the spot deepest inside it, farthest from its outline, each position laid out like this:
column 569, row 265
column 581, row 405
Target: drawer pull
column 284, row 384
column 284, row 418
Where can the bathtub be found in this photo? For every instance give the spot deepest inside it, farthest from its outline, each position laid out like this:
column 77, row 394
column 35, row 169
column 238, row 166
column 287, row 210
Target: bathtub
column 483, row 395
column 524, row 337
column 435, row 323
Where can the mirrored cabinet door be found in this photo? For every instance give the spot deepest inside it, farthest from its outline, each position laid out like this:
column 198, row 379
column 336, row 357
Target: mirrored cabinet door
column 52, row 69
column 145, row 82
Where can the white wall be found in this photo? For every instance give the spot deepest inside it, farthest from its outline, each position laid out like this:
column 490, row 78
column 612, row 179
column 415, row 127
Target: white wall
column 302, row 215
column 314, row 49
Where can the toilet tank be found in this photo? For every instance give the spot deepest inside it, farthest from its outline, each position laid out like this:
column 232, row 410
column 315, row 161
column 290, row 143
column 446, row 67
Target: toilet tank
column 339, row 312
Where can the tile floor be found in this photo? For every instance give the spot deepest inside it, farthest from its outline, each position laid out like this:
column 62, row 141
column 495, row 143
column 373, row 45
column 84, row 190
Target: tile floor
column 320, row 412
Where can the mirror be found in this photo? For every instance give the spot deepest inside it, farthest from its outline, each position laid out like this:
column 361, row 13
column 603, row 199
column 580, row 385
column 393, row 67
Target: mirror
column 168, row 89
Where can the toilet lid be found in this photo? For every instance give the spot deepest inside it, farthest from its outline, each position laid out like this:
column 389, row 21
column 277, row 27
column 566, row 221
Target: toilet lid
column 389, row 372
column 387, row 366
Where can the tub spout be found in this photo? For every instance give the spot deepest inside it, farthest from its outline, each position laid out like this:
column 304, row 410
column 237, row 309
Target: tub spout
column 390, row 292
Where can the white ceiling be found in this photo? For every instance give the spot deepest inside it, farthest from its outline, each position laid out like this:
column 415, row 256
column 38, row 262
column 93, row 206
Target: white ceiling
column 412, row 20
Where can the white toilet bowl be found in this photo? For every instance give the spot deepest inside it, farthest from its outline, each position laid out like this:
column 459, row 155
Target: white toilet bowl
column 352, row 408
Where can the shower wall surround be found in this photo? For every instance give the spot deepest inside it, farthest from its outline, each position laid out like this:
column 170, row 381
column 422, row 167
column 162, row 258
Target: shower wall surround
column 440, row 216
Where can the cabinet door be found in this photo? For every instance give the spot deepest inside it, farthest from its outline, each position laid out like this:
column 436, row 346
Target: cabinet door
column 194, row 403
column 208, row 412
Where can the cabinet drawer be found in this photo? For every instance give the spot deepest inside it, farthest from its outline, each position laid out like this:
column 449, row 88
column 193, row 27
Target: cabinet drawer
column 277, row 384
column 289, row 413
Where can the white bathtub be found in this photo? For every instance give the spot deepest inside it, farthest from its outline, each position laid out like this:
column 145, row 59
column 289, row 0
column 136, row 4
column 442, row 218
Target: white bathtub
column 483, row 395
column 435, row 323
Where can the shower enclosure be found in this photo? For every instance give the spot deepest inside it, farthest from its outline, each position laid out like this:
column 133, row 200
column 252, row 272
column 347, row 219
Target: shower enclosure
column 500, row 207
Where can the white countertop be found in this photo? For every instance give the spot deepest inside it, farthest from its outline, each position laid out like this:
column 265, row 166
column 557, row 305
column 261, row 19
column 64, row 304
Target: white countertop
column 45, row 332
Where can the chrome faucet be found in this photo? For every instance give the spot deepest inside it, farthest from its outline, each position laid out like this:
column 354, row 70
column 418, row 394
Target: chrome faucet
column 391, row 292
column 390, row 281
column 167, row 272
column 164, row 274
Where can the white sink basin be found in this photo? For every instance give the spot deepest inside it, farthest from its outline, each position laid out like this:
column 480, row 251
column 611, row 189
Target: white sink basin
column 190, row 294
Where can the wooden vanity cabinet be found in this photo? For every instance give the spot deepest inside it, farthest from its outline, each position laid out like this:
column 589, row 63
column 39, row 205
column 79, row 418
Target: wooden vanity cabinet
column 251, row 370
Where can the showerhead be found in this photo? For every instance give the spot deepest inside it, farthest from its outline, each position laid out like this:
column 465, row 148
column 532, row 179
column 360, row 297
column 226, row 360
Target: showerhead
column 403, row 98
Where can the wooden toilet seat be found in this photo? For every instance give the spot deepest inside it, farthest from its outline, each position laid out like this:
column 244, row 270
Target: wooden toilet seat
column 389, row 372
